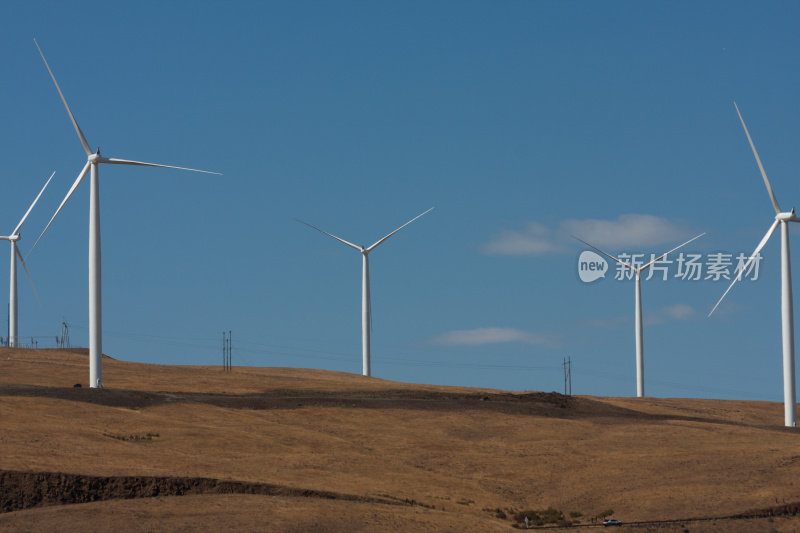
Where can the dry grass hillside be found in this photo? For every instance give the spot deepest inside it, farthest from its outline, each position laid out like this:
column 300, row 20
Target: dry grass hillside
column 168, row 448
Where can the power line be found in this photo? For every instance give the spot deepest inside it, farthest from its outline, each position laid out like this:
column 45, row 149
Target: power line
column 280, row 350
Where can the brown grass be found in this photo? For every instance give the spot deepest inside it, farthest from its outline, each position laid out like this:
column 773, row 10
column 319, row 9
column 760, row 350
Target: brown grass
column 456, row 452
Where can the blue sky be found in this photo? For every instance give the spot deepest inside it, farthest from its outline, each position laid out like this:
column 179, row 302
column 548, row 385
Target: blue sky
column 521, row 122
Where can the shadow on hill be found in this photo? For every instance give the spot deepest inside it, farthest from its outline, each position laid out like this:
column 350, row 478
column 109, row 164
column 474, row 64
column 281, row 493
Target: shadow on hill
column 534, row 403
column 106, row 397
column 540, row 404
column 77, row 351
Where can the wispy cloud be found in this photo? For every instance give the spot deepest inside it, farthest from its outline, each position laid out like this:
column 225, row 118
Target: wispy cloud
column 610, row 322
column 534, row 239
column 475, row 337
column 670, row 313
column 626, row 231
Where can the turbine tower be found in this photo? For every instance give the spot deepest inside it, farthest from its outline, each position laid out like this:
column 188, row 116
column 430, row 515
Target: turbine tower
column 366, row 307
column 13, row 324
column 782, row 219
column 639, row 333
column 93, row 160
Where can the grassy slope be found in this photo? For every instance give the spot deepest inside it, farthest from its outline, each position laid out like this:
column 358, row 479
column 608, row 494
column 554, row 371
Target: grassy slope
column 644, row 458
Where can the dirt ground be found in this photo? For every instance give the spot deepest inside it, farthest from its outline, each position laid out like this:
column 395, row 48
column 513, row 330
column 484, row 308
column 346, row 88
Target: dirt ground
column 273, row 449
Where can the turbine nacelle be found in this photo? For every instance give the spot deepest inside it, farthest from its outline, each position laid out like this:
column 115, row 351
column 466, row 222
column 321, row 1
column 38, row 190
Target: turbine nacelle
column 787, row 217
column 95, row 157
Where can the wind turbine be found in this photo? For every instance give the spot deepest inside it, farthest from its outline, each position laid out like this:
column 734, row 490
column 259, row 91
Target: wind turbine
column 93, row 160
column 782, row 218
column 13, row 333
column 637, row 271
column 366, row 307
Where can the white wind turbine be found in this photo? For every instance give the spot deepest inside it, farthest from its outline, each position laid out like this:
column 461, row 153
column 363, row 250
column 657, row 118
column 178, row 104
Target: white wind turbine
column 13, row 327
column 366, row 308
column 782, row 218
column 93, row 160
column 637, row 271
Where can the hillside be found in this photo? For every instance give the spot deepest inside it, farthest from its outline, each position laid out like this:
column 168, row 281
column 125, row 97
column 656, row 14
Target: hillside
column 173, row 448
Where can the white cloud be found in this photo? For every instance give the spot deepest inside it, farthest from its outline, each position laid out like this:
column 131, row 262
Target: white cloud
column 665, row 314
column 671, row 313
column 680, row 312
column 533, row 240
column 475, row 337
column 626, row 231
column 611, row 322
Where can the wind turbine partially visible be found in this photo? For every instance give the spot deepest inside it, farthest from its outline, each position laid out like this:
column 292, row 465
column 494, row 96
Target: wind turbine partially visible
column 637, row 271
column 782, row 218
column 13, row 327
column 366, row 306
column 93, row 160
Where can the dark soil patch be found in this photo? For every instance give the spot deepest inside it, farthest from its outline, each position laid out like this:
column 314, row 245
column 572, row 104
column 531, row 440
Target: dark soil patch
column 24, row 490
column 786, row 509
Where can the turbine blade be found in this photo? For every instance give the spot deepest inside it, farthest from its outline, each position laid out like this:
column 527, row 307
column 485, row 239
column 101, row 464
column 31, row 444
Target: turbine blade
column 761, row 244
column 758, row 160
column 64, row 201
column 623, row 263
column 25, row 267
column 33, row 204
column 69, row 112
column 350, row 244
column 398, row 229
column 662, row 256
column 115, row 161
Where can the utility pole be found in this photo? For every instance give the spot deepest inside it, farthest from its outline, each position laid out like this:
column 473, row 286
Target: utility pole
column 226, row 351
column 63, row 342
column 567, row 376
